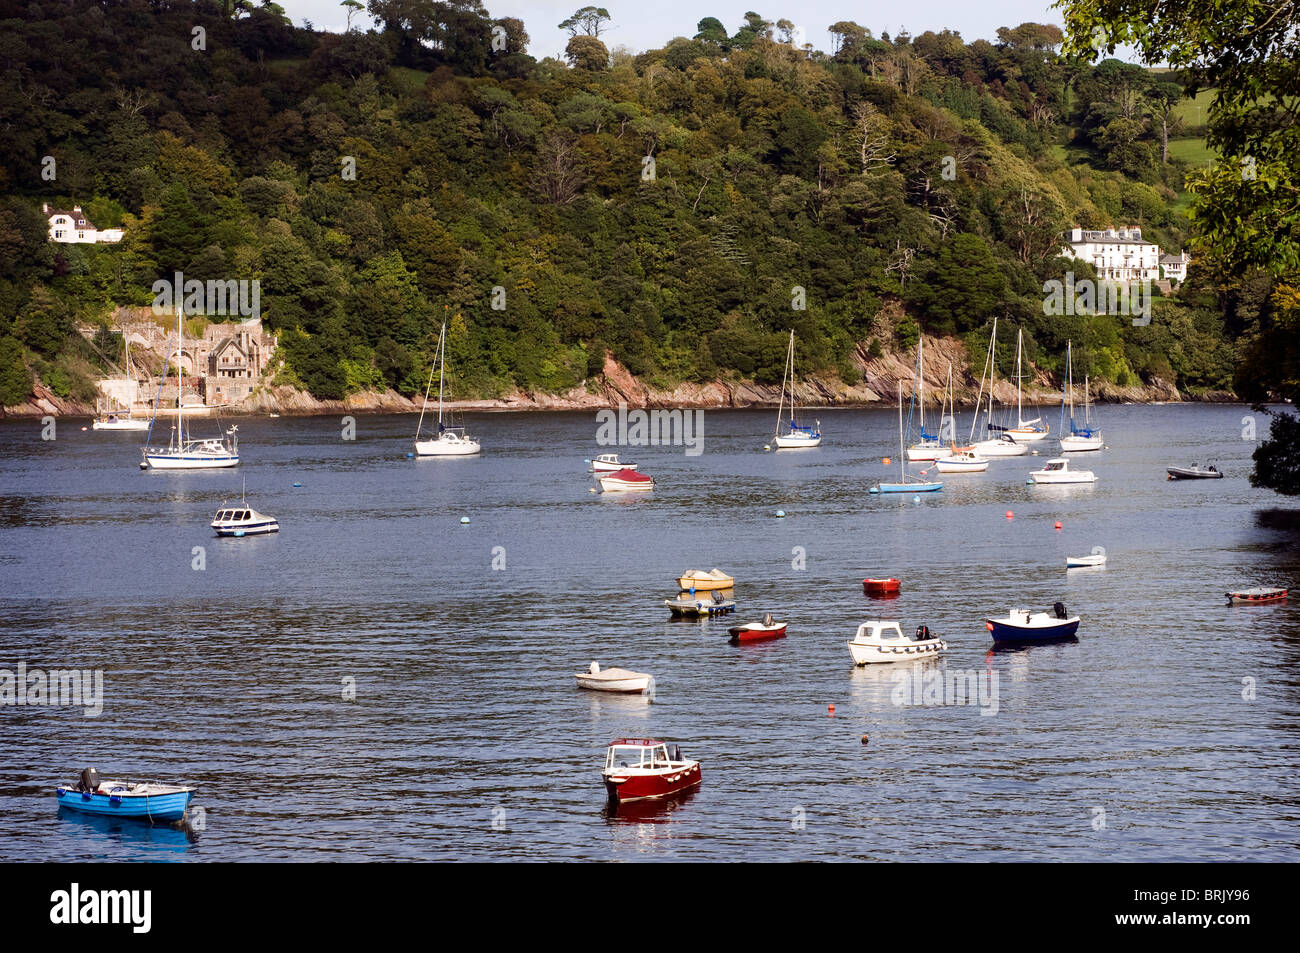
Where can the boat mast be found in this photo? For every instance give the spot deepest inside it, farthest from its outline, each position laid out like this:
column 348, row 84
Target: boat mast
column 1020, row 416
column 442, row 367
column 786, row 373
column 902, row 467
column 180, row 411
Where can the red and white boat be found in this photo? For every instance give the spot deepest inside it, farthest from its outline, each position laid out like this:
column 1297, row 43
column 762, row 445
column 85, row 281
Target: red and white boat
column 880, row 587
column 769, row 628
column 626, row 479
column 1256, row 596
column 638, row 769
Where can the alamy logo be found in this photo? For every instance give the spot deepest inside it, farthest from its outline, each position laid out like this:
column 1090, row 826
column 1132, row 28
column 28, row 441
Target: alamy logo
column 55, row 687
column 210, row 297
column 1087, row 298
column 651, row 428
column 947, row 687
column 103, row 906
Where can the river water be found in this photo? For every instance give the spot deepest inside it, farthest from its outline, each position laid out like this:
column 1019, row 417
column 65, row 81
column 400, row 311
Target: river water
column 1169, row 731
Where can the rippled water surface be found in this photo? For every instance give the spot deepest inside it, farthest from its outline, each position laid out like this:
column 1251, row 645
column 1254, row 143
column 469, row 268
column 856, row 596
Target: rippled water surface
column 467, row 738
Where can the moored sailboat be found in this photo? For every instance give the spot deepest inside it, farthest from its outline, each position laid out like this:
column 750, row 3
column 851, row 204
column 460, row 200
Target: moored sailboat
column 798, row 436
column 1083, row 438
column 450, row 441
column 906, row 486
column 182, row 452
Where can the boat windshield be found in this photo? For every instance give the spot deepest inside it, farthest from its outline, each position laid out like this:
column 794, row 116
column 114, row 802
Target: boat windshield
column 626, row 756
column 1056, row 465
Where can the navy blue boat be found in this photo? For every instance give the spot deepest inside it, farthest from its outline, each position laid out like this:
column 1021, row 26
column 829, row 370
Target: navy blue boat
column 1022, row 626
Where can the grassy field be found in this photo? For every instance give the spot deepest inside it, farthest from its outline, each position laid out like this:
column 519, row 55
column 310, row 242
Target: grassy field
column 1196, row 112
column 1193, row 151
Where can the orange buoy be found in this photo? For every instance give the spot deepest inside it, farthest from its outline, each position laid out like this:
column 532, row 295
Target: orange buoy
column 864, row 739
column 830, row 710
column 885, row 461
column 1058, row 524
column 1010, row 515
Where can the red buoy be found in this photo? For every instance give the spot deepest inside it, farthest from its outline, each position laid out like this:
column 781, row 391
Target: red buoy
column 1010, row 515
column 1058, row 524
column 830, row 710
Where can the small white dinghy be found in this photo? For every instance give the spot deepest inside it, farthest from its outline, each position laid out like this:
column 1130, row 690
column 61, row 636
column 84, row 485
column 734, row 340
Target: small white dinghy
column 884, row 642
column 1082, row 562
column 615, row 680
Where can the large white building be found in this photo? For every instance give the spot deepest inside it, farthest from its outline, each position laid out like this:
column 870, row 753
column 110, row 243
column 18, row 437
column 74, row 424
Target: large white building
column 1175, row 266
column 74, row 228
column 1116, row 254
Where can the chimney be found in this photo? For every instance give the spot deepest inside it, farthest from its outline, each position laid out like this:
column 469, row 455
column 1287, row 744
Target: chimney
column 1076, row 234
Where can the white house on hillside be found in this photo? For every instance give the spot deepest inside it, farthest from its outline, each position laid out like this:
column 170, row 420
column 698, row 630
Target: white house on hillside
column 1116, row 254
column 1175, row 266
column 74, row 228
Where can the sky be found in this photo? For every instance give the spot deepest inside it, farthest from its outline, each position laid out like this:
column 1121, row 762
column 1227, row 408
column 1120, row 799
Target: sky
column 643, row 25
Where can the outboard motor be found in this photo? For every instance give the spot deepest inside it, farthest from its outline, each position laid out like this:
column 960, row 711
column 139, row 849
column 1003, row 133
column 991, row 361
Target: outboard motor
column 1060, row 610
column 89, row 781
column 922, row 633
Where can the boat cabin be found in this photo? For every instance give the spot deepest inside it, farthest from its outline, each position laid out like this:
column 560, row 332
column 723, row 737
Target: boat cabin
column 881, row 631
column 647, row 753
column 1059, row 463
column 234, row 516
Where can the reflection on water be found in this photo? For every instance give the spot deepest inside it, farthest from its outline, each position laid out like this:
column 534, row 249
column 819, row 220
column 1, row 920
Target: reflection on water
column 381, row 681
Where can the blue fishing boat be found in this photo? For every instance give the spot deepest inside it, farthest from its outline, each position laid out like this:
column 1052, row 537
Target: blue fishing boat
column 906, row 486
column 145, row 800
column 1025, row 627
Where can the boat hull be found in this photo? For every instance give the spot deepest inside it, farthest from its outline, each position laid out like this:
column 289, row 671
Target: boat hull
column 601, row 466
column 1247, row 597
column 624, row 787
column 120, row 425
column 925, row 452
column 261, row 528
column 190, row 461
column 628, row 686
column 1186, row 473
column 1057, row 478
column 881, row 587
column 1000, row 448
column 705, row 583
column 906, row 488
column 700, row 608
column 1080, row 444
column 1026, row 434
column 1005, row 632
column 1083, row 562
column 961, row 466
column 161, row 807
column 872, row 652
column 797, row 442
column 446, row 448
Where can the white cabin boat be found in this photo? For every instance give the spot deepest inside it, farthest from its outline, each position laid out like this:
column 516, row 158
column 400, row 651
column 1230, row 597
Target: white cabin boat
column 608, row 463
column 962, row 461
column 243, row 520
column 884, row 642
column 1058, row 470
column 797, row 436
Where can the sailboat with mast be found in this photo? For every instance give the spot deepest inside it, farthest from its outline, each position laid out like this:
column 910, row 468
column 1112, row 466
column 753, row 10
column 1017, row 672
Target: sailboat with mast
column 906, row 486
column 797, row 436
column 960, row 459
column 1080, row 438
column 1024, row 430
column 109, row 419
column 450, row 440
column 930, row 447
column 182, row 452
column 1002, row 445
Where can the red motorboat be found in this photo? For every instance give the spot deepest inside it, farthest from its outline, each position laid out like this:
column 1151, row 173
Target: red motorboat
column 757, row 631
column 1256, row 596
column 880, row 587
column 638, row 769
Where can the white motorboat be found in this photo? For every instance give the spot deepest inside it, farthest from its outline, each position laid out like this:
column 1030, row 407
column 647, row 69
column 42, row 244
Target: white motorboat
column 798, row 436
column 119, row 421
column 1003, row 446
column 450, row 440
column 962, row 461
column 615, row 680
column 182, row 452
column 701, row 605
column 243, row 520
column 608, row 463
column 885, row 642
column 1083, row 562
column 1058, row 470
